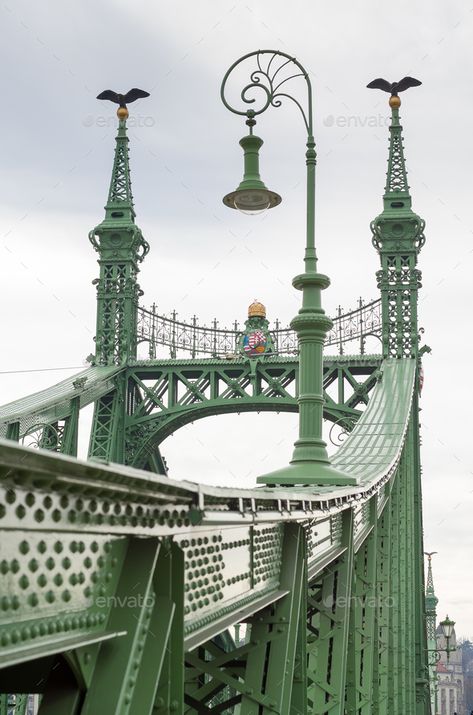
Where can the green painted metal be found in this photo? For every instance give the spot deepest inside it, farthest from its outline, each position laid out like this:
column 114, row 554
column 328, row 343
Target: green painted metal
column 394, row 627
column 113, row 686
column 270, row 673
column 56, row 403
column 190, row 336
column 151, row 399
column 233, row 538
column 421, row 659
column 310, row 463
column 431, row 601
column 121, row 247
column 166, row 395
column 121, row 587
column 251, row 195
column 360, row 670
column 107, row 435
column 327, row 627
column 256, row 326
column 15, row 704
column 398, row 236
column 384, row 605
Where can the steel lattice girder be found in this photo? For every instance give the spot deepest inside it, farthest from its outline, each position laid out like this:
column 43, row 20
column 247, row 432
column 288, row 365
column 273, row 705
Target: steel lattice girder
column 138, row 407
column 166, row 395
column 85, row 591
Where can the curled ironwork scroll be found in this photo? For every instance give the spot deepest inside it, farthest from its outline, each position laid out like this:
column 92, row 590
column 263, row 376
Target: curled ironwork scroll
column 41, row 436
column 345, row 426
column 196, row 339
column 269, row 71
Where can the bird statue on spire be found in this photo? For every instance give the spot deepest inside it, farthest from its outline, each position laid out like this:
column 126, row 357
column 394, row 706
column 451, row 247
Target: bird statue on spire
column 394, row 88
column 123, row 99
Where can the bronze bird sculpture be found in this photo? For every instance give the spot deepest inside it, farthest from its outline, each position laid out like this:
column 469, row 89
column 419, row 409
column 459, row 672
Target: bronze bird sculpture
column 123, row 99
column 394, row 87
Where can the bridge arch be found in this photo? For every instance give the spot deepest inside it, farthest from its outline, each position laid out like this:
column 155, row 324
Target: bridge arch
column 169, row 394
column 148, row 435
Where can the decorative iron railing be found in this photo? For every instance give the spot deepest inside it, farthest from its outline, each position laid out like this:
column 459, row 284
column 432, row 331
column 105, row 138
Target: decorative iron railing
column 191, row 337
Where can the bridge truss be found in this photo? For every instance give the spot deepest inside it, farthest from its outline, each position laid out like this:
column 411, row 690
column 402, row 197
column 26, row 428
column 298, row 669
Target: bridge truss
column 121, row 587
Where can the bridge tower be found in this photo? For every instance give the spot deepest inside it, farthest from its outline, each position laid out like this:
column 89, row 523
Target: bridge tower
column 398, row 236
column 121, row 247
column 431, row 601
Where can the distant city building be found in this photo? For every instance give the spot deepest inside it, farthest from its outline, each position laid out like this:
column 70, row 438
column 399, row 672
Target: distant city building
column 467, row 657
column 450, row 692
column 468, row 684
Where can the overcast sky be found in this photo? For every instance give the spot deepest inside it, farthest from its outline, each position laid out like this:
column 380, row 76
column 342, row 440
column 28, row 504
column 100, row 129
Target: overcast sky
column 57, row 153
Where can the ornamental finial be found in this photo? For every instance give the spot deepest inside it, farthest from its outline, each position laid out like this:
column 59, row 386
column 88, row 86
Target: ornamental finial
column 256, row 310
column 394, row 88
column 123, row 99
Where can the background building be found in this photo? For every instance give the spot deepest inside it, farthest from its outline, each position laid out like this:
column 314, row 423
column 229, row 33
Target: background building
column 450, row 698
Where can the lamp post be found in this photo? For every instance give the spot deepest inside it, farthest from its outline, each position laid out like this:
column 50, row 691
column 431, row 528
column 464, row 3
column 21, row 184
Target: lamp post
column 310, row 463
column 447, row 627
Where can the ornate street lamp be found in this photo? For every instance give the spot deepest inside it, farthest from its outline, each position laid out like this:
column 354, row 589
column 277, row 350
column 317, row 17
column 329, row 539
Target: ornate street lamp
column 310, row 463
column 251, row 196
column 447, row 627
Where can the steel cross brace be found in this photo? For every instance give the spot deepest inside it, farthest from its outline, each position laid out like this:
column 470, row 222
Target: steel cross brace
column 274, row 651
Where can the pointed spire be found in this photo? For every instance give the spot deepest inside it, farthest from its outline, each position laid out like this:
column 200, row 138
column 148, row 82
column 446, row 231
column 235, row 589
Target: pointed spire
column 396, row 188
column 398, row 236
column 430, row 591
column 120, row 198
column 396, row 193
column 121, row 248
column 431, row 600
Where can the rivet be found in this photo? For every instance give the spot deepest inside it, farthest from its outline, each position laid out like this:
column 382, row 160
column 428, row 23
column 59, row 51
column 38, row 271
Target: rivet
column 33, row 600
column 15, row 636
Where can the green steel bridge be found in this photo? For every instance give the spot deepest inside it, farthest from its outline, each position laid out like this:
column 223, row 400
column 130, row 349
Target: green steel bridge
column 121, row 587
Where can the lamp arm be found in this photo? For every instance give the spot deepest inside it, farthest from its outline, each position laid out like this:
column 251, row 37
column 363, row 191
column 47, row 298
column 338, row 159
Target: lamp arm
column 263, row 78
